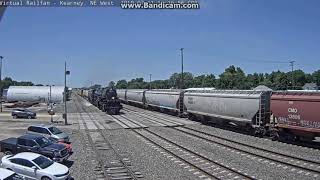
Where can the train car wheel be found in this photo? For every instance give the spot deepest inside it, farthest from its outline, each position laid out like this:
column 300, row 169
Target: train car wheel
column 286, row 137
column 274, row 135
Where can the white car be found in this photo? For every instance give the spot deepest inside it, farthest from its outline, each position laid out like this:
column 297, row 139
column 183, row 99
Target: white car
column 6, row 174
column 35, row 166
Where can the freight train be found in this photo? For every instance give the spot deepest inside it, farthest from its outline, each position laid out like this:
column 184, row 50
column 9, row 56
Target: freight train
column 285, row 115
column 106, row 99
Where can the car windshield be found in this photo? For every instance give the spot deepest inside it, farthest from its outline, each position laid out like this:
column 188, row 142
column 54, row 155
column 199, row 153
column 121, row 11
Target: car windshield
column 55, row 130
column 43, row 142
column 43, row 162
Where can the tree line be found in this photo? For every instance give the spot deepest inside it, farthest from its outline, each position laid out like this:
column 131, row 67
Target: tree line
column 232, row 78
column 7, row 82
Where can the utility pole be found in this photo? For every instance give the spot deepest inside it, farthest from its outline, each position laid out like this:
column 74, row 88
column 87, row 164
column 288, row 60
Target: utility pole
column 50, row 104
column 292, row 76
column 65, row 93
column 181, row 82
column 1, row 90
column 150, row 81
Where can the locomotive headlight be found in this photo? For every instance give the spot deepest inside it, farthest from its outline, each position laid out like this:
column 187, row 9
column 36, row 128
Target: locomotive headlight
column 112, row 97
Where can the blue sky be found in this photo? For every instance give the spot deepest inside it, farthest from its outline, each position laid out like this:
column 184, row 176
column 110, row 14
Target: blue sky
column 103, row 44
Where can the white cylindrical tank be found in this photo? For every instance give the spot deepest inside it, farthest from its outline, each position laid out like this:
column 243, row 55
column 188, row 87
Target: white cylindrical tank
column 35, row 93
column 163, row 98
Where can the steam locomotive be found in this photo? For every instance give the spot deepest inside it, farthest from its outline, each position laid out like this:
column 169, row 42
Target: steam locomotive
column 106, row 99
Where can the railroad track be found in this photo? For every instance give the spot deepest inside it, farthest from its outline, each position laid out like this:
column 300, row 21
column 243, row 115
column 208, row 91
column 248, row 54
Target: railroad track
column 154, row 118
column 263, row 155
column 100, row 172
column 286, row 159
column 207, row 167
column 312, row 146
column 121, row 168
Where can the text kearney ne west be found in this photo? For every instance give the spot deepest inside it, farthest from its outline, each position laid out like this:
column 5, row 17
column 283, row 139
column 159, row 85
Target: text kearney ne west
column 91, row 3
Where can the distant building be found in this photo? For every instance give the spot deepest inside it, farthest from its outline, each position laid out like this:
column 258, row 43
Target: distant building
column 310, row 86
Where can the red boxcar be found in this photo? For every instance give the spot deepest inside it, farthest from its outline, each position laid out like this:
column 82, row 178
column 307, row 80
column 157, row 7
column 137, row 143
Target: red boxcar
column 297, row 113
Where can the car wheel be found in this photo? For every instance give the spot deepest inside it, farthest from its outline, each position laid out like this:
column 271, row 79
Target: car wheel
column 15, row 116
column 29, row 117
column 45, row 178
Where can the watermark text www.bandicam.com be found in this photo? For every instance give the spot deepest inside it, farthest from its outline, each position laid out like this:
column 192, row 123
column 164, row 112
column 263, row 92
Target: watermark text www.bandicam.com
column 124, row 4
column 159, row 5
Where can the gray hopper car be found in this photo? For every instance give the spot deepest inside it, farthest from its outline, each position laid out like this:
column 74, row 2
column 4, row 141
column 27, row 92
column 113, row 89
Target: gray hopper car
column 243, row 108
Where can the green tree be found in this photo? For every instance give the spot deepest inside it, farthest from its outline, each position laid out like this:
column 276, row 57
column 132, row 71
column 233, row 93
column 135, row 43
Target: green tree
column 6, row 82
column 160, row 84
column 122, row 84
column 232, row 78
column 204, row 81
column 279, row 80
column 137, row 83
column 175, row 80
column 309, row 78
column 316, row 77
column 299, row 78
column 24, row 83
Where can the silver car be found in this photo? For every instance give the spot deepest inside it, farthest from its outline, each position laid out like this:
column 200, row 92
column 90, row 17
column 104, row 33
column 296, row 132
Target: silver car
column 50, row 132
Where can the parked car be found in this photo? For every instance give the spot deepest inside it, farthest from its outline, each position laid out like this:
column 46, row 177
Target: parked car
column 23, row 113
column 6, row 174
column 49, row 131
column 37, row 144
column 35, row 166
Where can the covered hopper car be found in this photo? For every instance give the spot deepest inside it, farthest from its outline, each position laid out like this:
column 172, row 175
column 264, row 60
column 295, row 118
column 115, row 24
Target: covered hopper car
column 296, row 114
column 289, row 115
column 250, row 109
column 163, row 100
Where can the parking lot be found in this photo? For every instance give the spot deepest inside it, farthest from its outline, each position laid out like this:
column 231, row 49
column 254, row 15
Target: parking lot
column 10, row 127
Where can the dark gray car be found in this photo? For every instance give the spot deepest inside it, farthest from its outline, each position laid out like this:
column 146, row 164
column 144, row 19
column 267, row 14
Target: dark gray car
column 23, row 113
